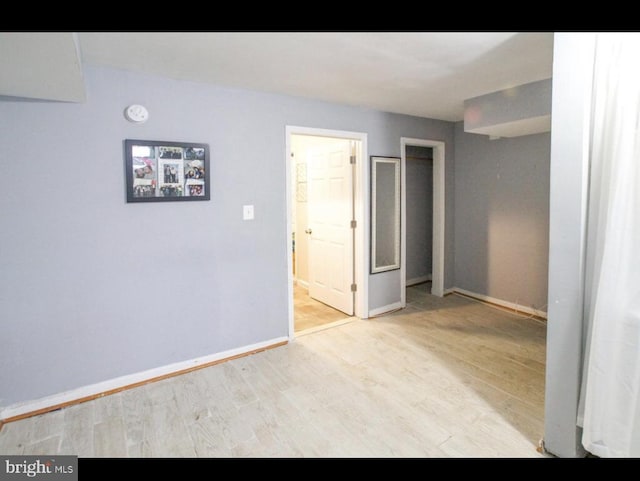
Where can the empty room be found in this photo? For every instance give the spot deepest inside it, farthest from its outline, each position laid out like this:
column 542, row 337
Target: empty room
column 319, row 245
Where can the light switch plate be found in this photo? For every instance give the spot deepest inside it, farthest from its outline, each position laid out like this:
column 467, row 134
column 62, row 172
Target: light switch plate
column 247, row 212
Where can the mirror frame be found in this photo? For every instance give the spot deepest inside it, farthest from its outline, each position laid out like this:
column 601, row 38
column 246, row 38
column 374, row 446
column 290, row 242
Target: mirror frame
column 375, row 161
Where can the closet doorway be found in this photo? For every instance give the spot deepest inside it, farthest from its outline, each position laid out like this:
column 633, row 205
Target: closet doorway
column 435, row 150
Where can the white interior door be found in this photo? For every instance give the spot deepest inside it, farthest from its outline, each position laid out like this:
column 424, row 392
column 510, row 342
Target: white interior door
column 330, row 211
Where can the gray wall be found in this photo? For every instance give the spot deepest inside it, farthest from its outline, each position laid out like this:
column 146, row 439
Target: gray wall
column 94, row 288
column 573, row 56
column 502, row 216
column 385, row 286
column 419, row 229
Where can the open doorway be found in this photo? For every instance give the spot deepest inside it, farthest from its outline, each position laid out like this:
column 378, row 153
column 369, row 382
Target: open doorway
column 432, row 154
column 419, row 225
column 325, row 227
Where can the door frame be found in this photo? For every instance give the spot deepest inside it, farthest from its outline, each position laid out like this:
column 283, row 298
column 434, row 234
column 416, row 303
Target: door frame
column 437, row 247
column 361, row 202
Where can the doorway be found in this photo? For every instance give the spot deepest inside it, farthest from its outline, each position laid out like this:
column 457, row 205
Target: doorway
column 419, row 225
column 325, row 225
column 435, row 150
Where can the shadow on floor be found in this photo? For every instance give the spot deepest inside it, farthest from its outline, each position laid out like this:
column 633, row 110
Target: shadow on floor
column 498, row 354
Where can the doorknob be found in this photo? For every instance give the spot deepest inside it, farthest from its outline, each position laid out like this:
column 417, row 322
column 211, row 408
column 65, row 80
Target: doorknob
column 307, row 231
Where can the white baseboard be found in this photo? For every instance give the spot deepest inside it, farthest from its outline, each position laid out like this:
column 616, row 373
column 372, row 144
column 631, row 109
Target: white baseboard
column 451, row 290
column 499, row 302
column 418, row 280
column 303, row 284
column 388, row 308
column 66, row 397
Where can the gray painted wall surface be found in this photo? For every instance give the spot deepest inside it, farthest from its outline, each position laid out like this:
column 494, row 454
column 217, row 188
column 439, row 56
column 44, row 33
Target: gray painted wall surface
column 419, row 230
column 572, row 83
column 93, row 288
column 502, row 216
column 379, row 284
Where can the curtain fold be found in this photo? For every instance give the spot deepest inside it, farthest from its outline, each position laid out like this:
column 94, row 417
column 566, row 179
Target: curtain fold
column 610, row 397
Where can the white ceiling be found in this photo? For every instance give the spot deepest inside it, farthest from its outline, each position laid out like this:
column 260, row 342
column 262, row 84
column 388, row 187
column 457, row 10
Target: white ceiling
column 415, row 73
column 41, row 65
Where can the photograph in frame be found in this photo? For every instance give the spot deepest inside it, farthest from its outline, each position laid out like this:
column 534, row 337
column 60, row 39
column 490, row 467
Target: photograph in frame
column 162, row 171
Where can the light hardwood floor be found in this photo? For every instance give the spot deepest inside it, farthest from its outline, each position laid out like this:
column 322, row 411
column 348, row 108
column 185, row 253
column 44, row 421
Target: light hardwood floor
column 442, row 378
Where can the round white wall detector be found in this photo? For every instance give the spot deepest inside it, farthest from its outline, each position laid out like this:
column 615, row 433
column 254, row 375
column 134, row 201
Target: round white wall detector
column 136, row 113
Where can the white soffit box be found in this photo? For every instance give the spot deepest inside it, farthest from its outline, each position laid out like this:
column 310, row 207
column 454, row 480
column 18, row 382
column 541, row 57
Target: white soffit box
column 521, row 110
column 41, row 65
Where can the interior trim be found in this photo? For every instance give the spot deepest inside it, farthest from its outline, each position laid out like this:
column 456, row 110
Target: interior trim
column 504, row 305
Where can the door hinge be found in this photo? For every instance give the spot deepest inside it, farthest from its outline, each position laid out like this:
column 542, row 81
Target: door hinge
column 354, row 224
column 352, row 159
column 354, row 287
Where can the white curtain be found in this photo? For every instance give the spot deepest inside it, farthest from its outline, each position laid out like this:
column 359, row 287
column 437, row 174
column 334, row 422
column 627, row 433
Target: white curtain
column 610, row 398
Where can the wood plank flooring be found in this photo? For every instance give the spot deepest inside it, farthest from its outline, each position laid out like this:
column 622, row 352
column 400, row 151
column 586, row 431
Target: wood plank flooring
column 442, row 378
